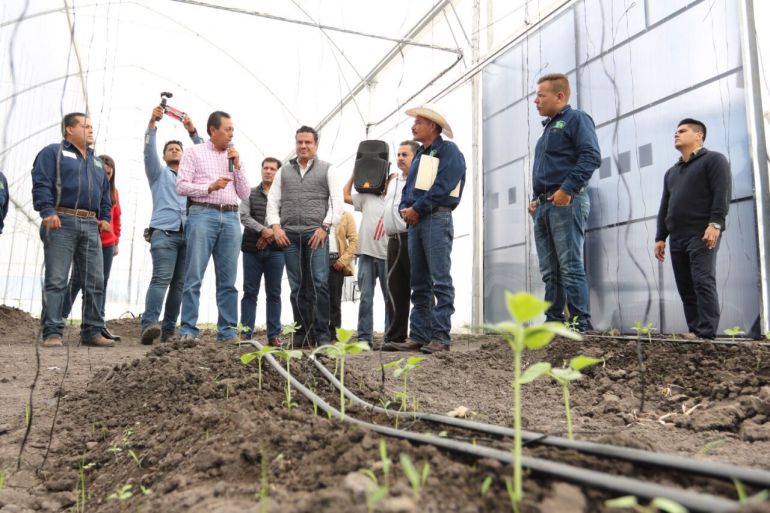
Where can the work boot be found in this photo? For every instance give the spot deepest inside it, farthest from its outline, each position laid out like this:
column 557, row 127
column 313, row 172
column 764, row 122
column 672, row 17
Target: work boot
column 275, row 342
column 166, row 336
column 98, row 341
column 435, row 347
column 52, row 341
column 150, row 333
column 109, row 335
column 408, row 345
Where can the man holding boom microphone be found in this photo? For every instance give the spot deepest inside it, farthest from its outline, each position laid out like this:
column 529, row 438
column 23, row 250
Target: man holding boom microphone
column 211, row 176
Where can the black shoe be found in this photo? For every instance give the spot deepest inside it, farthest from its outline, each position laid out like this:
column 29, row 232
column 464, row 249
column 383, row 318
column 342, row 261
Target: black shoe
column 409, row 345
column 150, row 333
column 106, row 334
column 166, row 336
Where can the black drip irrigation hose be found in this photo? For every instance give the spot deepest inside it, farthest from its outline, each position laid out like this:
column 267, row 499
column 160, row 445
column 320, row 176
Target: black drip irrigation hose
column 584, row 477
column 720, row 341
column 726, row 471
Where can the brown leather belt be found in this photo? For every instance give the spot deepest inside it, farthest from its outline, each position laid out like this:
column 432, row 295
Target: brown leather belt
column 77, row 212
column 221, row 208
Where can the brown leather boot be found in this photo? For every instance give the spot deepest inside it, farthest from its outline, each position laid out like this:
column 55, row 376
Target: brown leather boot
column 98, row 341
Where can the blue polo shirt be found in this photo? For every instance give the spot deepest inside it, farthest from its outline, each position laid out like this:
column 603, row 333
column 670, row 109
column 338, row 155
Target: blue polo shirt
column 451, row 171
column 169, row 209
column 83, row 181
column 567, row 153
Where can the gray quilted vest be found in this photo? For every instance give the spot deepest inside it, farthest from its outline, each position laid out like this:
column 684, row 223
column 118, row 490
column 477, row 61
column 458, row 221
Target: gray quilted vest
column 304, row 200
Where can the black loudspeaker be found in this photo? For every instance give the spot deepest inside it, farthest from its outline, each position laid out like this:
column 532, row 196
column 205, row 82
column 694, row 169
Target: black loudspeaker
column 370, row 171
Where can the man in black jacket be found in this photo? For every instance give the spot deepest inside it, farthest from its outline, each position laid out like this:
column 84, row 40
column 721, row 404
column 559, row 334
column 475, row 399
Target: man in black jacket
column 696, row 198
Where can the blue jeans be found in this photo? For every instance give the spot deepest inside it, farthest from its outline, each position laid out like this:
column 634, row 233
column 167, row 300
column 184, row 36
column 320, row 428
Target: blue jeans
column 168, row 251
column 270, row 264
column 308, row 272
column 370, row 269
column 208, row 233
column 433, row 295
column 76, row 243
column 75, row 284
column 559, row 235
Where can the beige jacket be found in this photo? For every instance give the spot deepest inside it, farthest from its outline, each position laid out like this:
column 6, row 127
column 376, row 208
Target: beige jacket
column 347, row 241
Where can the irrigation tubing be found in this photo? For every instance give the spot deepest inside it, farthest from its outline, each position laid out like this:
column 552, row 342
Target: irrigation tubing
column 720, row 341
column 589, row 478
column 758, row 477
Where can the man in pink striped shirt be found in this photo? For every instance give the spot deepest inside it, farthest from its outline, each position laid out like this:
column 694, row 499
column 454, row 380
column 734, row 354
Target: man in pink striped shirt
column 212, row 178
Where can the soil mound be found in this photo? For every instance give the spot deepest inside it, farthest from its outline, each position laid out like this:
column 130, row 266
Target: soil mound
column 17, row 326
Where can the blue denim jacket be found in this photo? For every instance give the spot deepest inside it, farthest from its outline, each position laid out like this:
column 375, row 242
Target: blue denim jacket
column 567, row 153
column 169, row 209
column 84, row 183
column 451, row 171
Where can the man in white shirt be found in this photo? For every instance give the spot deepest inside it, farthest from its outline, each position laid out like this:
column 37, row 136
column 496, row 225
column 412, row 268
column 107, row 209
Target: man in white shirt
column 304, row 202
column 398, row 297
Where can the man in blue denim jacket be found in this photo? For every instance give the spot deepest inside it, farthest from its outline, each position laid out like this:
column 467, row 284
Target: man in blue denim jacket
column 71, row 191
column 167, row 242
column 566, row 155
column 427, row 205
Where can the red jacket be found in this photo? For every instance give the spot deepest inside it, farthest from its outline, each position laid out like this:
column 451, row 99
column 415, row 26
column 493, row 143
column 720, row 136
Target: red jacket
column 112, row 238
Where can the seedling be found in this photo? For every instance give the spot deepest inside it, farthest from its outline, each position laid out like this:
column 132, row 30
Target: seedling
column 743, row 496
column 563, row 376
column 246, row 358
column 123, row 493
column 642, row 330
column 573, row 324
column 734, row 332
column 416, row 479
column 289, row 330
column 485, row 486
column 404, row 367
column 135, row 457
column 657, row 504
column 287, row 355
column 339, row 352
column 376, row 494
column 386, row 463
column 523, row 308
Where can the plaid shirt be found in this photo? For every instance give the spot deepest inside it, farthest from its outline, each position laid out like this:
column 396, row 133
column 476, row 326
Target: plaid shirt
column 203, row 164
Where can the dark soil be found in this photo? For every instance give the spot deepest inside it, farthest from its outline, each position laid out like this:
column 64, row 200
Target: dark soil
column 187, row 424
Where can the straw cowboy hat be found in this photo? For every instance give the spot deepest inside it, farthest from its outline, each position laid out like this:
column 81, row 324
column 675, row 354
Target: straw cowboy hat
column 429, row 112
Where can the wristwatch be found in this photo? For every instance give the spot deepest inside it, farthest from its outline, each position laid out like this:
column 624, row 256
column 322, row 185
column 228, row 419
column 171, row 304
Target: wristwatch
column 325, row 227
column 716, row 226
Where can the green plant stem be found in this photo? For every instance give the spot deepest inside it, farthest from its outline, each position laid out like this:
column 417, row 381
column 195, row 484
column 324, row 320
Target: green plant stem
column 288, row 383
column 517, row 485
column 565, row 388
column 342, row 388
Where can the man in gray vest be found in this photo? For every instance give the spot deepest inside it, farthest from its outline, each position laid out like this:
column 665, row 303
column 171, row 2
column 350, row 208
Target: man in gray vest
column 304, row 202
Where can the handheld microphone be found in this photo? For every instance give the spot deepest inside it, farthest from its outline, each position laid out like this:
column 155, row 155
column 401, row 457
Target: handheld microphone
column 230, row 161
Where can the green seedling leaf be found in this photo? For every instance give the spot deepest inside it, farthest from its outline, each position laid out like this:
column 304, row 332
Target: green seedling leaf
column 734, row 331
column 411, row 474
column 667, row 505
column 524, row 307
column 581, row 362
column 561, row 374
column 288, row 354
column 537, row 337
column 534, row 371
column 344, row 335
column 369, row 473
column 415, row 360
column 485, row 486
column 559, row 329
column 394, row 363
column 145, row 491
column 247, row 358
column 376, row 496
column 628, row 501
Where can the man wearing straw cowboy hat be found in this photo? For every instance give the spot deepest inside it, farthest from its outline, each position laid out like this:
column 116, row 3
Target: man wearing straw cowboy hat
column 432, row 191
